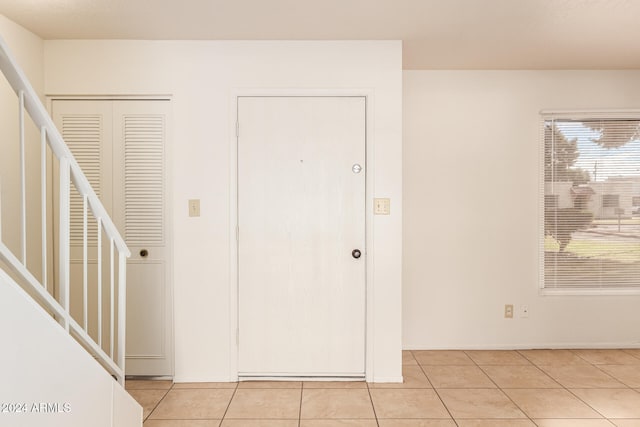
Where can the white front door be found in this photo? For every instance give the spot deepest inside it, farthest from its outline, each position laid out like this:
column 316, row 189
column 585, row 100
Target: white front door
column 301, row 219
column 121, row 147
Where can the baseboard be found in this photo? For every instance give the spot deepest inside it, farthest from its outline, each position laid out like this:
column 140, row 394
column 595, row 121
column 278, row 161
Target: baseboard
column 388, row 379
column 298, row 378
column 537, row 346
column 188, row 379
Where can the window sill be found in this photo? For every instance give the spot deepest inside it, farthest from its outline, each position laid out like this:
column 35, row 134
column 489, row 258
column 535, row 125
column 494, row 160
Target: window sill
column 589, row 292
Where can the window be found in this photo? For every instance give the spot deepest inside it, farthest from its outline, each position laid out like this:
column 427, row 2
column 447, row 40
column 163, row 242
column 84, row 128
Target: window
column 590, row 240
column 551, row 201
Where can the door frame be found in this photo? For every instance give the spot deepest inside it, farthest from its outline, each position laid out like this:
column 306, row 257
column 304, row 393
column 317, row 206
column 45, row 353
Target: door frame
column 234, row 283
column 169, row 218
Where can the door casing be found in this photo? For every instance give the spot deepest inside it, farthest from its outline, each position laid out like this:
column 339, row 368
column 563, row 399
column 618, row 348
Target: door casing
column 233, row 214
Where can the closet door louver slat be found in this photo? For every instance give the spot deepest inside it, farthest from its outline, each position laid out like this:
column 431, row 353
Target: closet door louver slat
column 83, row 134
column 143, row 181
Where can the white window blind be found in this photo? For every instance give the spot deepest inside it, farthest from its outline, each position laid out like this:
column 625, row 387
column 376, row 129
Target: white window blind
column 591, row 234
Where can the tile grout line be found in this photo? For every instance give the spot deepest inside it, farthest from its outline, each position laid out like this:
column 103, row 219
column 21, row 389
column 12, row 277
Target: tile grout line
column 598, row 368
column 485, row 374
column 541, row 369
column 612, row 377
column 159, row 401
column 235, row 389
column 375, row 414
column 300, row 408
column 435, row 391
column 505, row 393
column 587, row 404
column 501, row 390
column 568, row 390
column 623, row 386
column 626, row 350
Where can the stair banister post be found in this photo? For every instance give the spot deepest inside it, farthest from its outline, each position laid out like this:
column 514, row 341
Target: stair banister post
column 65, row 229
column 122, row 311
column 0, row 209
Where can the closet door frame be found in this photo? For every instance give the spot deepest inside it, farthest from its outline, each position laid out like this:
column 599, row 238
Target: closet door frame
column 168, row 192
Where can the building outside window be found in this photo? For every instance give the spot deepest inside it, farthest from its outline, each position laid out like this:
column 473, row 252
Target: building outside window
column 610, row 200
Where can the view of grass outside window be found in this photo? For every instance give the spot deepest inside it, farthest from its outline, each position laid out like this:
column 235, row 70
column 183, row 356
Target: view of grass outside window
column 591, row 203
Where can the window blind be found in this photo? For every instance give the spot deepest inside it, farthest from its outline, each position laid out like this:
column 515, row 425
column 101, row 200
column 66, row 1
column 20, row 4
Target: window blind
column 591, row 199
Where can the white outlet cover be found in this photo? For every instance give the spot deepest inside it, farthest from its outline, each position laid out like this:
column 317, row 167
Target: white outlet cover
column 194, row 207
column 508, row 311
column 382, row 206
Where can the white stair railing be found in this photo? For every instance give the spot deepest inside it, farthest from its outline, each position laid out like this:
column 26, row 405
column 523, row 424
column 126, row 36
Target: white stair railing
column 110, row 354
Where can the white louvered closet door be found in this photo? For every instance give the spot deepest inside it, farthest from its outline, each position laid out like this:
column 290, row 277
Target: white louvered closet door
column 140, row 131
column 132, row 187
column 86, row 127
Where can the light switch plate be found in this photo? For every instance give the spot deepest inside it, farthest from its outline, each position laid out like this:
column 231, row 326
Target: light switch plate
column 381, row 206
column 194, row 207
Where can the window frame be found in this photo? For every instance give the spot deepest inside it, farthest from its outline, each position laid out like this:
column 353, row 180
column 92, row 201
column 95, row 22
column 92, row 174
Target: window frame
column 544, row 116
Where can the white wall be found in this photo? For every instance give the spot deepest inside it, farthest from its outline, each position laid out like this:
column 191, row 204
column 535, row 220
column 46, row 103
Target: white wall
column 202, row 77
column 75, row 389
column 28, row 49
column 66, row 373
column 471, row 223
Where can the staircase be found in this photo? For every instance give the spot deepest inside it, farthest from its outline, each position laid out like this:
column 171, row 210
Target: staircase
column 60, row 368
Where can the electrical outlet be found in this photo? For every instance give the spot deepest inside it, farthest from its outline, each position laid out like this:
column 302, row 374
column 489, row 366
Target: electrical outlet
column 508, row 311
column 524, row 311
column 381, row 206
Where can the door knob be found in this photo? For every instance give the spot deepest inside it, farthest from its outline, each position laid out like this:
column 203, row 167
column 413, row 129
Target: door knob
column 144, row 253
column 356, row 253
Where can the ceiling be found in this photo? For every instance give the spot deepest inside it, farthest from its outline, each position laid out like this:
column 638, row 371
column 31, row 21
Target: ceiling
column 436, row 34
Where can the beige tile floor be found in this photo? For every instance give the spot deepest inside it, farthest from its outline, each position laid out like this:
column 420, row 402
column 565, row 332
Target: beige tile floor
column 545, row 388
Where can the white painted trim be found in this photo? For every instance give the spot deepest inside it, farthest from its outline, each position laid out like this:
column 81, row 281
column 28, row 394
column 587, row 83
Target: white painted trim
column 170, row 218
column 399, row 379
column 195, row 379
column 233, row 238
column 303, row 378
column 368, row 94
column 540, row 220
column 588, row 292
column 369, row 236
column 592, row 114
column 112, row 97
column 546, row 115
column 0, row 209
column 522, row 346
